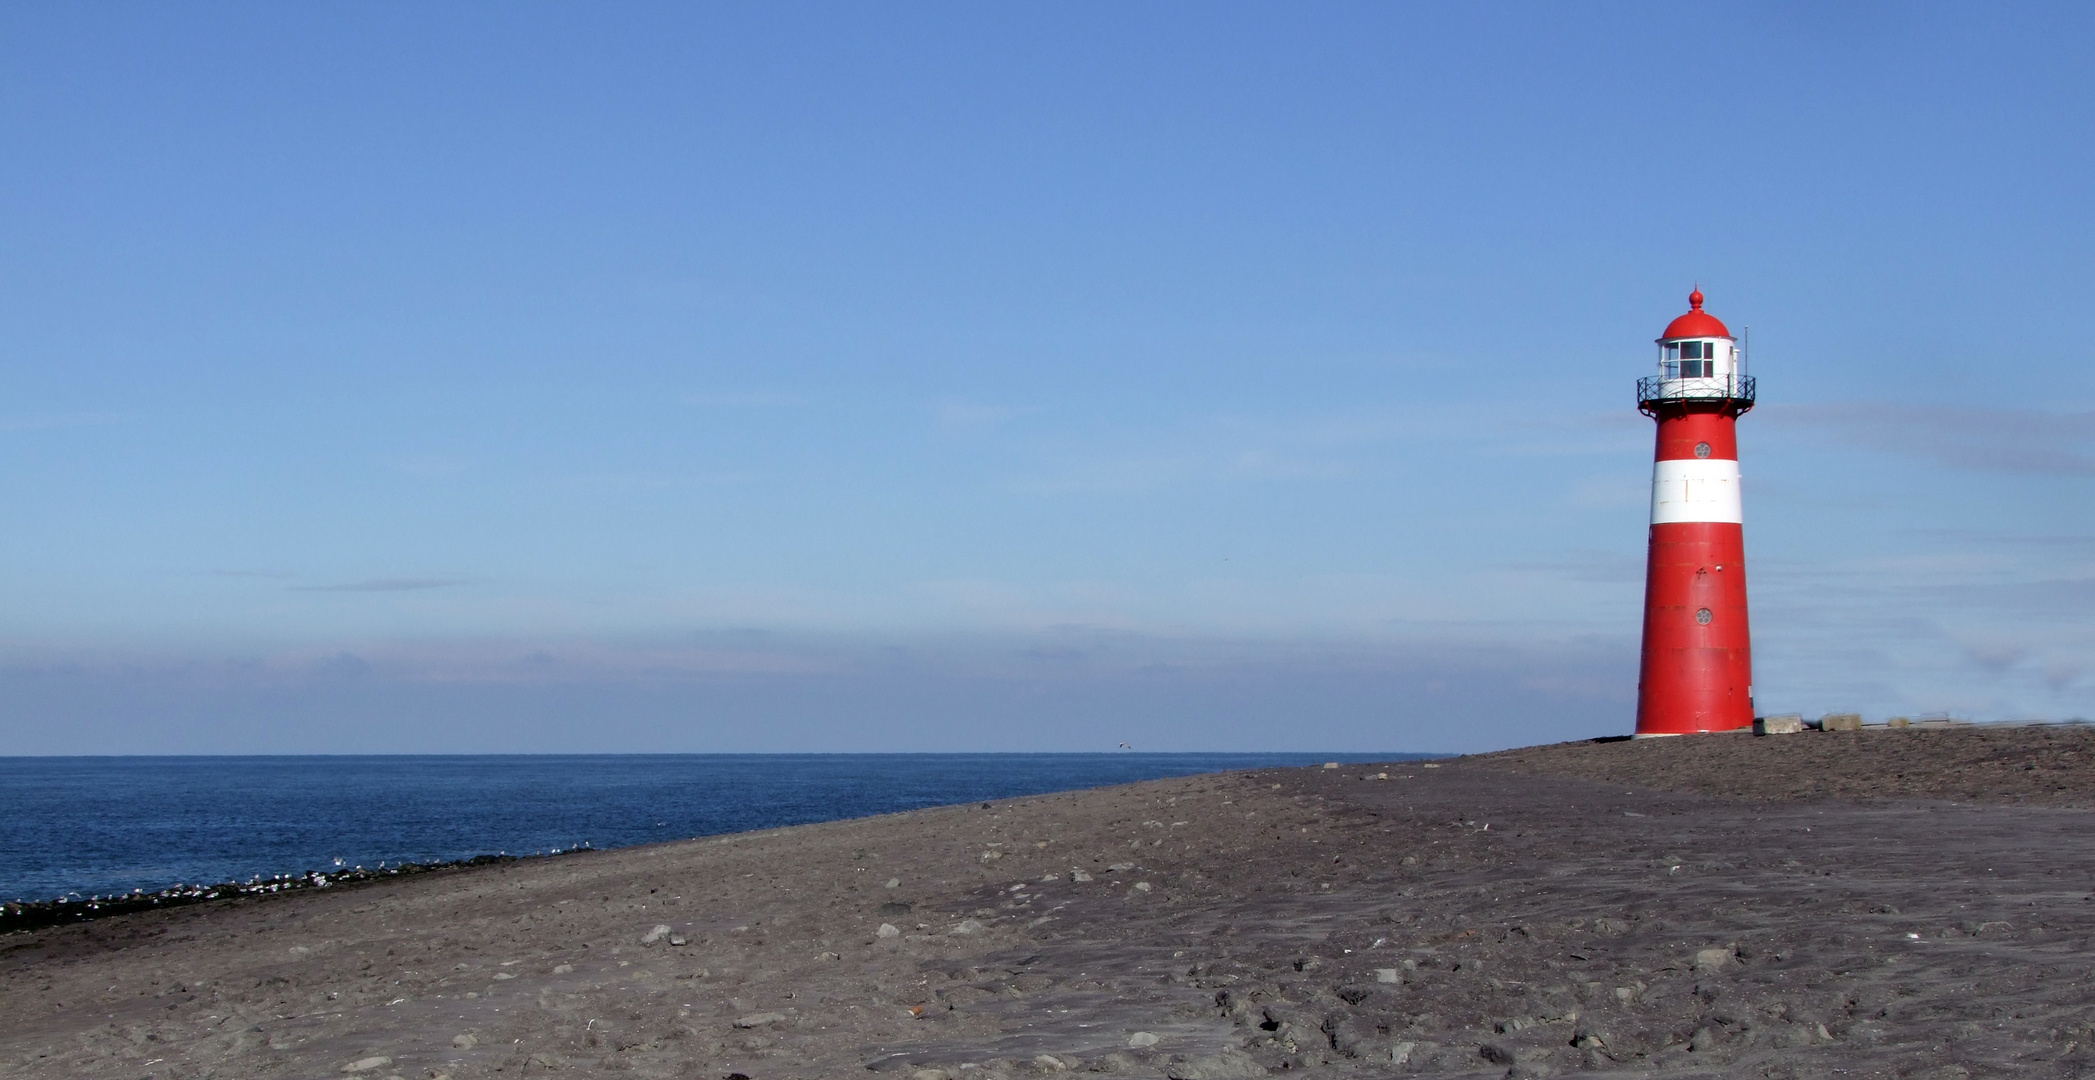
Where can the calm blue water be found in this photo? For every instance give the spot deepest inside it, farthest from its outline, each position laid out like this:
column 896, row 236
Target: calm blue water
column 91, row 825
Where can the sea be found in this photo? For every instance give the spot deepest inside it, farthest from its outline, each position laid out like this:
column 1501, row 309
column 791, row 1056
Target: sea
column 89, row 826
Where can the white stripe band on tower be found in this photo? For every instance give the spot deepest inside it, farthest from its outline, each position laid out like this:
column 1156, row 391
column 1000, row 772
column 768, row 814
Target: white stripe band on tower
column 1696, row 489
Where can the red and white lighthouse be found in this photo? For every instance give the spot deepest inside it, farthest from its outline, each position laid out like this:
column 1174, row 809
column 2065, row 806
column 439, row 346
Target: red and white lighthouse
column 1697, row 671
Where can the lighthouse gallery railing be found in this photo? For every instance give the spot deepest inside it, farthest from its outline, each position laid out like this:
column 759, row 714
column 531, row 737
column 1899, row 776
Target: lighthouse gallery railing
column 1657, row 389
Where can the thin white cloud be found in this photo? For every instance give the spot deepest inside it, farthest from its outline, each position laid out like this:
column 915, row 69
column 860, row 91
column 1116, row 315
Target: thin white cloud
column 391, row 584
column 1330, row 446
column 639, row 480
column 2013, row 441
column 963, row 414
column 1047, row 697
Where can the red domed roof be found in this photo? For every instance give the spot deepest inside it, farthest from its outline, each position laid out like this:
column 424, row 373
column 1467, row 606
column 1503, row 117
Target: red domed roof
column 1696, row 323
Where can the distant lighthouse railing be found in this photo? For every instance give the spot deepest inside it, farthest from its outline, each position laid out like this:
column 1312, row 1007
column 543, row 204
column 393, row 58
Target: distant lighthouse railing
column 1732, row 391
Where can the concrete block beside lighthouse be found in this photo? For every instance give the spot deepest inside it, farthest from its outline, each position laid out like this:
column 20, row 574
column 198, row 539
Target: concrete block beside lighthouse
column 1697, row 668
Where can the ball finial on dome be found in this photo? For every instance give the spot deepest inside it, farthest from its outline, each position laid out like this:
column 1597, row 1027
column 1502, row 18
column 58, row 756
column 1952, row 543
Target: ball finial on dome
column 1697, row 323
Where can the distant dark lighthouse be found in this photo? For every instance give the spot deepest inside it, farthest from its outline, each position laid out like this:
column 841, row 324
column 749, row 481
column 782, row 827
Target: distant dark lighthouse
column 1697, row 671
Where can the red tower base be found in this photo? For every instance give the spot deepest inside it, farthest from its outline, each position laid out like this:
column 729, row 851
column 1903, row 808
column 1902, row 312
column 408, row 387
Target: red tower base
column 1698, row 659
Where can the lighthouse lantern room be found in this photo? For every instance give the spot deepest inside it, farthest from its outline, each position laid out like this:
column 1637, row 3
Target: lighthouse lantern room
column 1697, row 668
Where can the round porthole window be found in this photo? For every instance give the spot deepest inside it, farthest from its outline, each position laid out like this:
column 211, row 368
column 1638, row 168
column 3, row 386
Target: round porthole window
column 1702, row 616
column 1702, row 449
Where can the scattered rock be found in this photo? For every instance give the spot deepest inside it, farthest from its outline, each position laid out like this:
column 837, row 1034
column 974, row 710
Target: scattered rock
column 1399, row 1053
column 887, row 930
column 1497, row 1054
column 501, row 975
column 464, row 1042
column 1703, row 1039
column 1708, row 961
column 1388, row 975
column 367, row 1064
column 1788, row 724
column 1840, row 721
column 1141, row 1039
column 929, row 1074
column 1142, row 886
column 762, row 1019
column 678, row 939
column 563, row 969
column 969, row 926
column 1050, row 1063
column 894, row 883
column 1079, row 875
column 658, row 933
column 1356, row 1037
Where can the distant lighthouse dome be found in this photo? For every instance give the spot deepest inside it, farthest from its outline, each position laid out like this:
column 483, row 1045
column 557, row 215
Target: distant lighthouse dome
column 1697, row 323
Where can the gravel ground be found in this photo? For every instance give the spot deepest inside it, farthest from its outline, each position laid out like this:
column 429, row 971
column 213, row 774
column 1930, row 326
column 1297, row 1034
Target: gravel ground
column 1523, row 914
column 2036, row 765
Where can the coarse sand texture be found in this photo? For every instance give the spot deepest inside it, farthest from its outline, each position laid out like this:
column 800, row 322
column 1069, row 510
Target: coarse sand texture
column 1900, row 904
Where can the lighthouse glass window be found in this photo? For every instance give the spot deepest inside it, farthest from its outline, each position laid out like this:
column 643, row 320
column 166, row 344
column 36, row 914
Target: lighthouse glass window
column 1696, row 359
column 1689, row 360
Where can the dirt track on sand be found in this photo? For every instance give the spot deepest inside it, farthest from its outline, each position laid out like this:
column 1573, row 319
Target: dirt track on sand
column 1466, row 919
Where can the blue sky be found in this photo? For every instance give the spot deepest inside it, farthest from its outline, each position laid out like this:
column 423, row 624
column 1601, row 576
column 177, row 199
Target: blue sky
column 534, row 377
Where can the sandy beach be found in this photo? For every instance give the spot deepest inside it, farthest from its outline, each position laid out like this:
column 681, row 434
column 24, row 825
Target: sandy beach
column 1876, row 903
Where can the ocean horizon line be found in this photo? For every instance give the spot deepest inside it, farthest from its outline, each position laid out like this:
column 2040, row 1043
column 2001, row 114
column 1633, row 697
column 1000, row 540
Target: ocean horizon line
column 102, row 824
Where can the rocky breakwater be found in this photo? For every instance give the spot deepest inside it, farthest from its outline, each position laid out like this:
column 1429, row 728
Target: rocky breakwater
column 30, row 914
